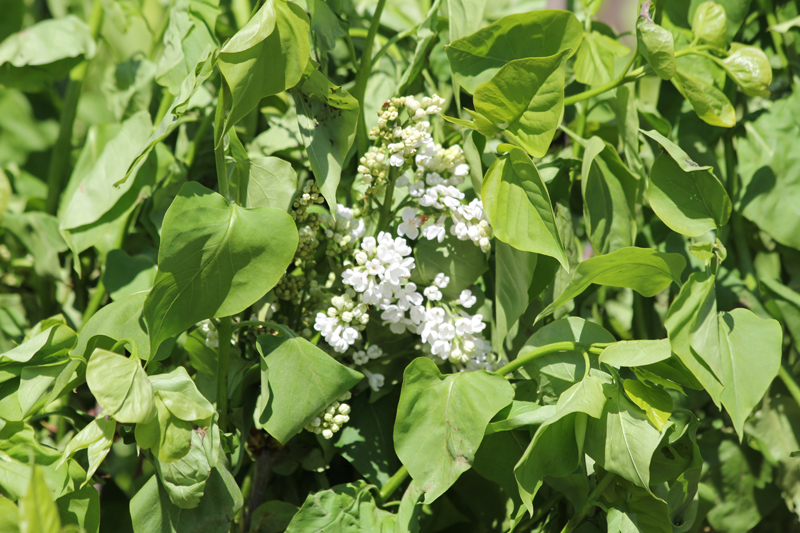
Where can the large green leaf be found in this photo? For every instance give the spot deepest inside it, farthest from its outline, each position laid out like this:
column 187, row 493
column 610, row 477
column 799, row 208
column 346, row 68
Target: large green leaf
column 327, row 117
column 38, row 232
column 636, row 353
column 38, row 512
column 476, row 58
column 769, row 168
column 594, row 63
column 263, row 182
column 349, row 507
column 44, row 52
column 121, row 387
column 303, row 380
column 623, row 440
column 189, row 33
column 646, row 271
column 514, row 270
column 517, row 204
column 556, row 447
column 185, row 479
column 441, row 420
column 609, row 191
column 267, row 56
column 751, row 357
column 524, row 101
column 216, row 259
column 96, row 194
column 691, row 202
column 710, row 104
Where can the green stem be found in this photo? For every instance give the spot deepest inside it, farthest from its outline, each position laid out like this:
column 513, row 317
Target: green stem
column 789, row 381
column 777, row 38
column 59, row 159
column 392, row 485
column 163, row 105
column 579, row 516
column 386, row 207
column 624, row 78
column 94, row 302
column 362, row 76
column 566, row 346
column 219, row 147
column 198, row 139
column 225, row 332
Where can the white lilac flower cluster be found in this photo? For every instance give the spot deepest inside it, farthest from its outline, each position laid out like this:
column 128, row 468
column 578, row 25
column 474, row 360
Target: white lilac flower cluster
column 341, row 325
column 439, row 171
column 211, row 334
column 344, row 231
column 332, row 418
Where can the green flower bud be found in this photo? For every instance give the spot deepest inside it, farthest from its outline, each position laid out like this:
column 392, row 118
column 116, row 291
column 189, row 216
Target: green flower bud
column 710, row 24
column 750, row 69
column 657, row 47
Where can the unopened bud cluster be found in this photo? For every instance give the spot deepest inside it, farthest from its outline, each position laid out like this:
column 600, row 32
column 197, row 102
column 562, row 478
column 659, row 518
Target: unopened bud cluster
column 332, row 419
column 308, row 195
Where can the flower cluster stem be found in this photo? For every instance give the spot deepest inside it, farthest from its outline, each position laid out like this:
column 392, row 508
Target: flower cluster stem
column 392, row 485
column 388, row 198
column 362, row 76
column 224, row 351
column 624, row 78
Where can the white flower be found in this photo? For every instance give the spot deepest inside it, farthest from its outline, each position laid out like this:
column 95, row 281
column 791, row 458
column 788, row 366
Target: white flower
column 435, row 231
column 441, row 280
column 408, row 297
column 396, row 160
column 374, row 351
column 466, row 299
column 461, row 170
column 408, row 226
column 339, row 326
column 375, row 380
column 432, row 293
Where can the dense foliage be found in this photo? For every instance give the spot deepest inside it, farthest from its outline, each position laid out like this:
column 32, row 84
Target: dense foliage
column 408, row 266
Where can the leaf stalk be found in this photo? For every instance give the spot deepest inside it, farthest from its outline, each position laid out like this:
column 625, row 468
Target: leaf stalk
column 392, row 485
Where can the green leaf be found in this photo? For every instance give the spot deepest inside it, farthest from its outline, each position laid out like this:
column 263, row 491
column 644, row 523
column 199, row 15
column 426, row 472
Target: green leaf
column 524, row 101
column 461, row 261
column 263, row 182
column 95, row 196
column 627, row 115
column 180, row 105
column 636, row 353
column 126, row 275
column 517, row 205
column 80, row 509
column 655, row 402
column 657, row 46
column 750, row 69
column 349, row 507
column 710, row 104
column 465, row 17
column 691, row 203
column 97, row 438
column 121, row 387
column 609, row 191
column 785, row 26
column 476, row 58
column 594, row 63
column 179, row 406
column 556, row 447
column 646, row 271
column 769, row 169
column 514, row 271
column 426, row 34
column 441, row 420
column 44, row 52
column 37, row 511
column 38, row 232
column 327, row 117
column 216, row 259
column 694, row 333
column 366, row 440
column 185, row 479
column 152, row 511
column 623, row 440
column 709, row 24
column 273, row 516
column 751, row 357
column 307, row 381
column 267, row 56
column 190, row 32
